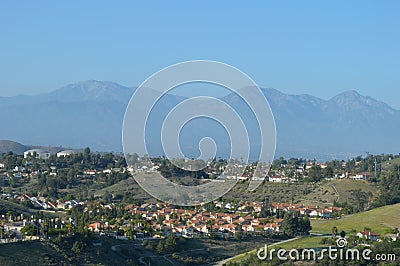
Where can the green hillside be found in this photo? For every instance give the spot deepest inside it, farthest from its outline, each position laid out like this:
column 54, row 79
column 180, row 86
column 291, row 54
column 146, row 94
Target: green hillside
column 379, row 220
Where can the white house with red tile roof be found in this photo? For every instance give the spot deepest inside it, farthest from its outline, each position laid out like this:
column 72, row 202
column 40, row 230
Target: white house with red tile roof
column 369, row 235
column 272, row 227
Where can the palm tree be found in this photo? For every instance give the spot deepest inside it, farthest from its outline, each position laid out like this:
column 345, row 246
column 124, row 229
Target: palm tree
column 210, row 223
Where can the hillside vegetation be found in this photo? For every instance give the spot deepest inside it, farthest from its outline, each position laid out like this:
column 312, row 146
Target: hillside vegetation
column 338, row 190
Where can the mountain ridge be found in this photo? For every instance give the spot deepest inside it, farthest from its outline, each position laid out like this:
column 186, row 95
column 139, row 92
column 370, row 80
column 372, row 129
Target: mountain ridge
column 93, row 89
column 90, row 113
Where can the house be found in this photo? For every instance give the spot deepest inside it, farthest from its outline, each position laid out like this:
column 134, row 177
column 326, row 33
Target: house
column 275, row 179
column 65, row 153
column 369, row 235
column 183, row 230
column 322, row 165
column 362, row 176
column 15, row 228
column 272, row 227
column 107, row 171
column 97, row 226
column 393, row 237
column 232, row 228
column 326, row 214
column 248, row 228
column 52, row 205
column 314, row 213
column 38, row 153
column 90, row 172
column 2, row 165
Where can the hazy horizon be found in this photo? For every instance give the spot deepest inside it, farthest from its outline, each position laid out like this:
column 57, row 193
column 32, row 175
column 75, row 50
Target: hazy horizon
column 302, row 48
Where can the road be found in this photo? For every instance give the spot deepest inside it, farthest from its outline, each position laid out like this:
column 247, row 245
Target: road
column 223, row 262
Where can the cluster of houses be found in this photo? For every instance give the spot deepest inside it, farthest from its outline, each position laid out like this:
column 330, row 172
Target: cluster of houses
column 42, row 202
column 286, row 174
column 189, row 223
column 12, row 225
column 366, row 234
column 163, row 219
column 192, row 223
column 44, row 154
column 310, row 211
column 372, row 236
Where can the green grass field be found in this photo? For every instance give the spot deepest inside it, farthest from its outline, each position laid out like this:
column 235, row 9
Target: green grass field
column 379, row 220
column 302, row 243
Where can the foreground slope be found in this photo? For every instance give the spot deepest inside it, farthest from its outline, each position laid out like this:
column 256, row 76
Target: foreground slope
column 380, row 220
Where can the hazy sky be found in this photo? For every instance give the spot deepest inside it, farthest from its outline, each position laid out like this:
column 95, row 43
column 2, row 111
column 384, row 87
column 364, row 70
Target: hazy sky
column 316, row 47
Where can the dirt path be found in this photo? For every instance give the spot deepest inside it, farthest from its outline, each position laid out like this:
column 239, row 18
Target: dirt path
column 337, row 193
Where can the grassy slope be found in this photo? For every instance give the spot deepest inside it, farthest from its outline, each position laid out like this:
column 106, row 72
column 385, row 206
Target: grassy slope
column 339, row 190
column 303, row 243
column 388, row 165
column 272, row 191
column 40, row 253
column 275, row 192
column 16, row 208
column 29, row 253
column 125, row 185
column 379, row 220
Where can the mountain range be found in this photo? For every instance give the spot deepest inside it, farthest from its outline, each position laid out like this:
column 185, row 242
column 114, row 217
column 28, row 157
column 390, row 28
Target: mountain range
column 90, row 113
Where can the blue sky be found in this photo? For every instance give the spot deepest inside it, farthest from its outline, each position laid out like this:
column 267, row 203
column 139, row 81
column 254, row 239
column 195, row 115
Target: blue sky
column 316, row 47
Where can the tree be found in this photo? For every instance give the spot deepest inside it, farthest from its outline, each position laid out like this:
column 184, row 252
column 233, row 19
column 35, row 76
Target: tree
column 305, row 225
column 265, row 209
column 315, row 173
column 160, row 247
column 293, row 224
column 174, row 216
column 170, row 243
column 334, row 232
column 86, row 151
column 29, row 230
column 358, row 199
column 240, row 234
column 78, row 247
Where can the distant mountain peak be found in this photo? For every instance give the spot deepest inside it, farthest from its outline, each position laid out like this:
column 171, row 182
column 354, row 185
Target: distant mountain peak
column 351, row 94
column 93, row 90
column 90, row 113
column 97, row 83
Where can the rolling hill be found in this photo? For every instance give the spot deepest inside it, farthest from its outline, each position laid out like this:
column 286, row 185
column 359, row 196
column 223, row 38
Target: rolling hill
column 15, row 147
